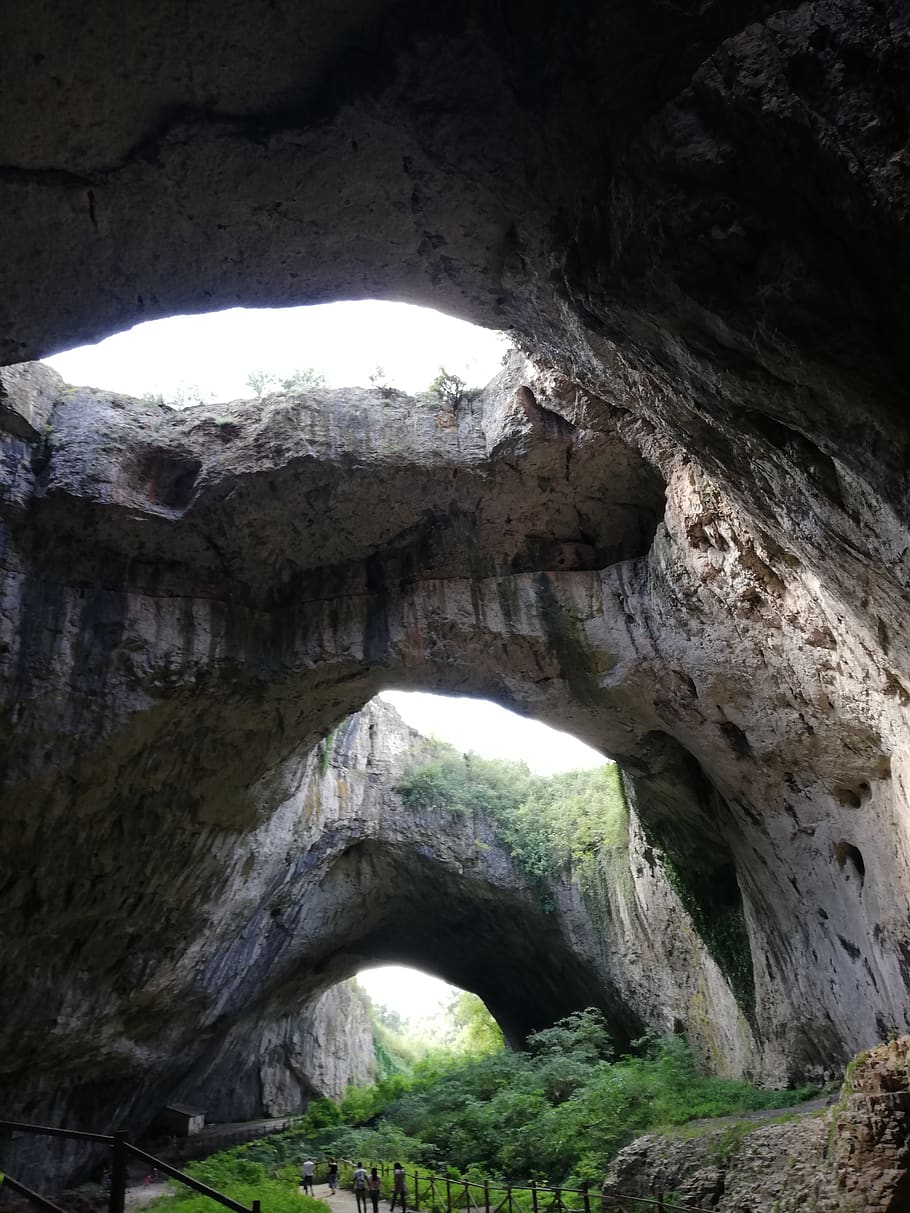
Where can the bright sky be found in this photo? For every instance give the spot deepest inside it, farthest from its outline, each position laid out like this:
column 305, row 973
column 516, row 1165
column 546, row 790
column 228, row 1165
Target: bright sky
column 493, row 732
column 345, row 341
column 412, row 994
column 214, row 353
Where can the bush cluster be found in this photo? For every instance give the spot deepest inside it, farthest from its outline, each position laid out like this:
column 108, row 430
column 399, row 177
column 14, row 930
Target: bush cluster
column 549, row 822
column 557, row 1113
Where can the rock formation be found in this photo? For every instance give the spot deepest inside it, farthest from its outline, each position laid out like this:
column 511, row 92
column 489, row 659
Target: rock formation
column 694, row 219
column 852, row 1157
column 267, row 1064
column 242, row 1013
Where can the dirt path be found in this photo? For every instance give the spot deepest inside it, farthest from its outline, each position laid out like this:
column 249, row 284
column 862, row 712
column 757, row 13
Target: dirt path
column 735, row 1118
column 143, row 1194
column 344, row 1200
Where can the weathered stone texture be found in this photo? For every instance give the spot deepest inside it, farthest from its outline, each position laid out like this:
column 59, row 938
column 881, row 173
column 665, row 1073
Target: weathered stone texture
column 694, row 217
column 851, row 1158
column 268, row 1066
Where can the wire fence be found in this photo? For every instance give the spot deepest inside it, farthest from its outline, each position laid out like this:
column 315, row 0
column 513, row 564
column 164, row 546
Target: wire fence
column 430, row 1193
column 121, row 1150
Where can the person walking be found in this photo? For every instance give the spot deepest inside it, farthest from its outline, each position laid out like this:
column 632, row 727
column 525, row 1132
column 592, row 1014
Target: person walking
column 374, row 1183
column 360, row 1188
column 333, row 1176
column 399, row 1191
column 307, row 1178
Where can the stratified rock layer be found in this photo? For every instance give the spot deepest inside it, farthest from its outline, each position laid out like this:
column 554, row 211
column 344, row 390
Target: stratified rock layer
column 851, row 1158
column 231, row 1001
column 697, row 215
column 214, row 628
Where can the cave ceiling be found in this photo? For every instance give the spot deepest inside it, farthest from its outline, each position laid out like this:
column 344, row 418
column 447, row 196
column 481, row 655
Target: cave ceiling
column 678, row 526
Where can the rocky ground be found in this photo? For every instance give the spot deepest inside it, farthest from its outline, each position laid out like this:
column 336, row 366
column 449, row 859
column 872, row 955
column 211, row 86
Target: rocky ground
column 851, row 1156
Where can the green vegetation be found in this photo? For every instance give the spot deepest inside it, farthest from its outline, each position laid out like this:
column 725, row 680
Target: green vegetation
column 183, row 396
column 300, row 380
column 450, row 389
column 549, row 823
column 715, row 907
column 577, row 823
column 557, row 1113
column 379, row 381
column 328, row 745
column 464, row 1027
column 247, row 1174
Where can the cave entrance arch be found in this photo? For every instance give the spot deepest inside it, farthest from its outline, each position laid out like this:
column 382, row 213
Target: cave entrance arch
column 376, row 880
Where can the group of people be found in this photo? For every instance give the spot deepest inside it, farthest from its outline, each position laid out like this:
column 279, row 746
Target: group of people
column 364, row 1184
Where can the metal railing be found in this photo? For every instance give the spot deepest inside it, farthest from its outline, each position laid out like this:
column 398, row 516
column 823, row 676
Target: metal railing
column 428, row 1193
column 121, row 1150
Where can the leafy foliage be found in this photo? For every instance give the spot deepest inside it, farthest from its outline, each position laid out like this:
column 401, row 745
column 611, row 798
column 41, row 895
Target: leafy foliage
column 302, row 379
column 477, row 1032
column 183, row 396
column 299, row 380
column 547, row 822
column 557, row 1113
column 448, row 388
column 239, row 1173
column 260, row 381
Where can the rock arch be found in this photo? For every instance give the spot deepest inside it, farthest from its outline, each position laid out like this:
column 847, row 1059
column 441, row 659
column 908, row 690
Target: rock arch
column 697, row 220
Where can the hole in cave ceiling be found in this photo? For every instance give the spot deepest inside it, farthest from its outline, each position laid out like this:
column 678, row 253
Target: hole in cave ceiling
column 242, row 352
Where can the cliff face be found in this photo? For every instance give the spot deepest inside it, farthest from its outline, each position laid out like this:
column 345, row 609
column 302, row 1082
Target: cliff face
column 244, row 590
column 852, row 1157
column 695, row 218
column 269, row 1065
column 242, row 1013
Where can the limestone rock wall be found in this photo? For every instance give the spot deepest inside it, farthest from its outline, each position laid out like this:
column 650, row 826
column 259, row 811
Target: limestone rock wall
column 695, row 217
column 234, row 1001
column 274, row 1066
column 849, row 1158
column 241, row 594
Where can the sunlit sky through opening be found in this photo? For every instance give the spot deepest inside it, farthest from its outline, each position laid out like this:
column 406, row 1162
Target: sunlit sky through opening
column 210, row 356
column 345, row 342
column 489, row 730
column 412, row 994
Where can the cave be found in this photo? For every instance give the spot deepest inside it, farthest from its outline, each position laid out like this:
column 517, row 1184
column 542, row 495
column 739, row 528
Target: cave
column 692, row 218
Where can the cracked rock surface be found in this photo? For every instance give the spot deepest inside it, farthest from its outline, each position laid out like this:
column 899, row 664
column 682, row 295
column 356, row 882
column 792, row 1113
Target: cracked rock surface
column 694, row 219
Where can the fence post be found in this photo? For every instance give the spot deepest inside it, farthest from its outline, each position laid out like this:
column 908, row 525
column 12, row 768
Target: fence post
column 509, row 1197
column 586, row 1195
column 118, row 1172
column 660, row 1199
column 534, row 1195
column 486, row 1195
column 256, row 1206
column 448, row 1195
column 467, row 1196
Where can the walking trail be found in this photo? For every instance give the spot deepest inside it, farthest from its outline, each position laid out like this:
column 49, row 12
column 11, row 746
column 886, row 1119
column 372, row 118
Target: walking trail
column 344, row 1200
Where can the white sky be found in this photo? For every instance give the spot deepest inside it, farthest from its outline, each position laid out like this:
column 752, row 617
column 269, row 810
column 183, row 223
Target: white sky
column 412, row 994
column 493, row 732
column 344, row 341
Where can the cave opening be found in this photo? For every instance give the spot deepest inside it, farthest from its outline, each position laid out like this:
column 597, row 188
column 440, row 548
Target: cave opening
column 412, row 1012
column 691, row 211
column 242, row 352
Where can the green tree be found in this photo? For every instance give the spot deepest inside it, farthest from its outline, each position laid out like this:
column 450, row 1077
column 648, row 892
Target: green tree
column 448, row 388
column 477, row 1032
column 260, row 381
column 302, row 380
